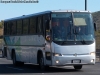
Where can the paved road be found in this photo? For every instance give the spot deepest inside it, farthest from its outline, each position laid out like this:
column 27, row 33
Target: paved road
column 6, row 68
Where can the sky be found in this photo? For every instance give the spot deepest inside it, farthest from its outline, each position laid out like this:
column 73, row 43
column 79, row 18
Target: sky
column 10, row 10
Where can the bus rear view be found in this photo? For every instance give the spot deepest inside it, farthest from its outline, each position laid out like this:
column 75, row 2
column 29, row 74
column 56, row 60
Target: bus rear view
column 73, row 41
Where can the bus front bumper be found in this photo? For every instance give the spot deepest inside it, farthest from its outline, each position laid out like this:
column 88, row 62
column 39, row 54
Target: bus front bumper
column 70, row 60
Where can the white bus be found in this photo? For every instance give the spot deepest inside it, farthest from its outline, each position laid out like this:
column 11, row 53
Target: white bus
column 51, row 38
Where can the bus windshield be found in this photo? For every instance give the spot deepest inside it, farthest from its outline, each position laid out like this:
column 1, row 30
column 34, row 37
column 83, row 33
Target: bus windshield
column 72, row 26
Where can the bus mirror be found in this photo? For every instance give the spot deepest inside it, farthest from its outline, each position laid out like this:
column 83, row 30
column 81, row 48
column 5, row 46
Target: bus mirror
column 95, row 26
column 48, row 37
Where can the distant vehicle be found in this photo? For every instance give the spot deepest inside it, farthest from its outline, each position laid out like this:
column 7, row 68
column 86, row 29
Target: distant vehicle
column 51, row 38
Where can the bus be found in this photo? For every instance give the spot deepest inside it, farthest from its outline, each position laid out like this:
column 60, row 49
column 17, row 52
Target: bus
column 51, row 38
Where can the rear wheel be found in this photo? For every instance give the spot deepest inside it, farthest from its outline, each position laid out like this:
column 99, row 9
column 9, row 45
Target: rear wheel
column 2, row 54
column 15, row 62
column 77, row 67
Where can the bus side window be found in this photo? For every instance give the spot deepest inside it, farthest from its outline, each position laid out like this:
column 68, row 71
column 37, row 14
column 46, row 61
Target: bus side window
column 25, row 26
column 47, row 25
column 13, row 27
column 8, row 28
column 5, row 28
column 40, row 25
column 19, row 27
column 32, row 26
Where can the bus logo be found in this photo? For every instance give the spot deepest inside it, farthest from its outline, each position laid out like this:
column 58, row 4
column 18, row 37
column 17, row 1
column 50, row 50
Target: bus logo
column 75, row 54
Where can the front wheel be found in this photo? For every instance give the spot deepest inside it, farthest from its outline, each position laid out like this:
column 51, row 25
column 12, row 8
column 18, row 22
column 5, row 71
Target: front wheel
column 77, row 67
column 41, row 62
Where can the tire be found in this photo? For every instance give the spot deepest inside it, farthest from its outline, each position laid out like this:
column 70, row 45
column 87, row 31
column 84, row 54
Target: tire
column 77, row 67
column 15, row 63
column 41, row 62
column 2, row 54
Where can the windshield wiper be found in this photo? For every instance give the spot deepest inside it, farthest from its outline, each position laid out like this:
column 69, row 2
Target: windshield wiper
column 77, row 33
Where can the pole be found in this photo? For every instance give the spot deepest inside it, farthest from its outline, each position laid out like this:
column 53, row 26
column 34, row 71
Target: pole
column 85, row 4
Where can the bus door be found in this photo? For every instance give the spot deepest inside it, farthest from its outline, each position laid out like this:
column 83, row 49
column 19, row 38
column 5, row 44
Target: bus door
column 47, row 42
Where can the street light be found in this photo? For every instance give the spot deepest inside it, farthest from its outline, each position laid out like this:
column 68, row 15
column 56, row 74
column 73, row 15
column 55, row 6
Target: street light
column 85, row 4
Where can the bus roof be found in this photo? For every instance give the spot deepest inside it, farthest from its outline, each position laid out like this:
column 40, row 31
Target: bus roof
column 69, row 10
column 26, row 16
column 40, row 13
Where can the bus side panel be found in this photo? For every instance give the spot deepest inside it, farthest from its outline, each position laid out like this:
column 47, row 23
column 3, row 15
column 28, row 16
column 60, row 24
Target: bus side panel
column 26, row 47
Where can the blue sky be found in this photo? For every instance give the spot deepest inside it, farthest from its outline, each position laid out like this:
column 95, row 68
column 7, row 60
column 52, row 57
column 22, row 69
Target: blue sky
column 18, row 9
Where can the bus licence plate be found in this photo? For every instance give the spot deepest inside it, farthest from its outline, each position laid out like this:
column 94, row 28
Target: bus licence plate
column 76, row 61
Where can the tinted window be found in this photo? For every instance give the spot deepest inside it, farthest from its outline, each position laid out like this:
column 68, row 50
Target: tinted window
column 32, row 27
column 25, row 26
column 19, row 27
column 62, row 26
column 39, row 27
column 8, row 28
column 13, row 27
column 5, row 28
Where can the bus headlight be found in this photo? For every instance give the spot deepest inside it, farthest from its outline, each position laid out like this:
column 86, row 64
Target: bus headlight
column 92, row 53
column 92, row 60
column 57, row 54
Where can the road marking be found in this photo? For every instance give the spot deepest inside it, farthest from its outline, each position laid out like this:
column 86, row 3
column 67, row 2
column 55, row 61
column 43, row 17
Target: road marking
column 14, row 68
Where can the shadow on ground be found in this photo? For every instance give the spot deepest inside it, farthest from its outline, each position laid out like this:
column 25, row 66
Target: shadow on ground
column 29, row 68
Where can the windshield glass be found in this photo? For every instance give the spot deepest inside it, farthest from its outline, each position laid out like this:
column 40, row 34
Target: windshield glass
column 68, row 27
column 61, row 26
column 83, row 26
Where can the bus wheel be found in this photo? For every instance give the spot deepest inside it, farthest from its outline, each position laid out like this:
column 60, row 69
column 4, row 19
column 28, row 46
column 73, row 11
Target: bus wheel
column 77, row 67
column 2, row 54
column 41, row 62
column 15, row 63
